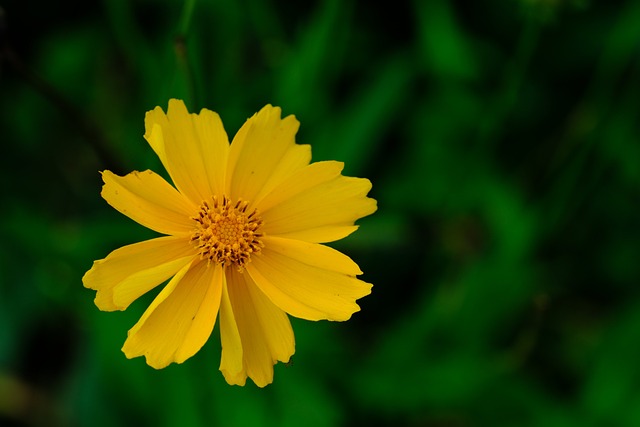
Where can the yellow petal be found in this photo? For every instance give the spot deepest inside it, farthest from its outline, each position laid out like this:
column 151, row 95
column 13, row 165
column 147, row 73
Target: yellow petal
column 303, row 288
column 138, row 284
column 263, row 153
column 316, row 204
column 154, row 122
column 205, row 318
column 276, row 332
column 192, row 147
column 294, row 159
column 313, row 254
column 149, row 200
column 152, row 261
column 180, row 320
column 264, row 329
column 231, row 362
column 308, row 177
column 329, row 233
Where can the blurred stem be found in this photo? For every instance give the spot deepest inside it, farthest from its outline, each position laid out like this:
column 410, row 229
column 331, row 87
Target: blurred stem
column 185, row 19
column 526, row 340
column 571, row 178
column 91, row 133
column 125, row 30
column 180, row 45
column 598, row 99
column 489, row 131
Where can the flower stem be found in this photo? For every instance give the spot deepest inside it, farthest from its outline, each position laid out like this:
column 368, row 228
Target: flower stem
column 490, row 129
column 180, row 46
column 85, row 126
column 185, row 19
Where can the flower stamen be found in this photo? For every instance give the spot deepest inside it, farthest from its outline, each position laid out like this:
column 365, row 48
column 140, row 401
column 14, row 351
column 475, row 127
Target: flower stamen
column 225, row 234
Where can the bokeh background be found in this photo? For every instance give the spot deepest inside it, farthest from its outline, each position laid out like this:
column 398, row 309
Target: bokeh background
column 502, row 141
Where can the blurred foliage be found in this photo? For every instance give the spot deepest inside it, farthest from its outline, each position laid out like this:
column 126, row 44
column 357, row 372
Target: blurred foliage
column 502, row 140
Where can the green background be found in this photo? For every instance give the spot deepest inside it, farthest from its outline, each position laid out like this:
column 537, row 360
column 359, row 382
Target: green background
column 502, row 141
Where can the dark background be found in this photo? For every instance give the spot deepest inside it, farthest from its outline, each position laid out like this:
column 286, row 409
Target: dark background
column 502, row 141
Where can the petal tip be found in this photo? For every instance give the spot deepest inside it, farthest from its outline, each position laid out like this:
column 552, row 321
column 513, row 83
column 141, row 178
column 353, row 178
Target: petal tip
column 239, row 378
column 177, row 103
column 131, row 350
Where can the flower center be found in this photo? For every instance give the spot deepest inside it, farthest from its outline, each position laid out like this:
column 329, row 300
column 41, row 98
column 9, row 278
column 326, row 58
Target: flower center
column 226, row 234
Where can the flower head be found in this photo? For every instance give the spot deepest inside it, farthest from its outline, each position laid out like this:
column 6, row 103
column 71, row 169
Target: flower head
column 243, row 231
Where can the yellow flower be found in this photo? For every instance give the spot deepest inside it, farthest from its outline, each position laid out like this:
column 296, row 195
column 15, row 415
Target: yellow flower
column 244, row 228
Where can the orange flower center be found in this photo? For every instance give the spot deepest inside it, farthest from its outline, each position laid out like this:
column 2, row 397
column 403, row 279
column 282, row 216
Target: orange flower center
column 226, row 234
